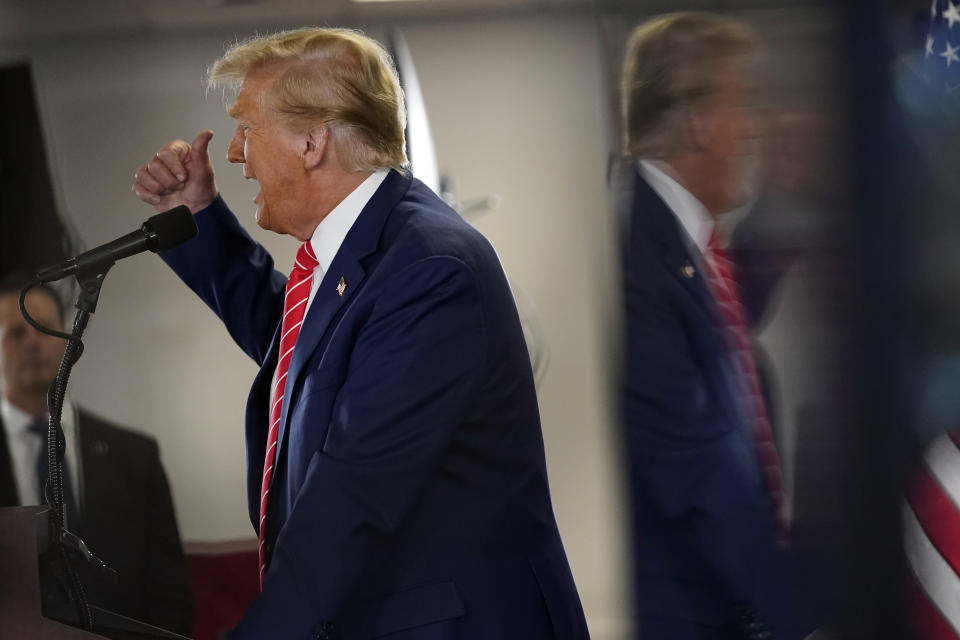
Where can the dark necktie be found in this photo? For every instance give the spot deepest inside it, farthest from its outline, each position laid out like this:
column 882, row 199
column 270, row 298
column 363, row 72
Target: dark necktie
column 39, row 427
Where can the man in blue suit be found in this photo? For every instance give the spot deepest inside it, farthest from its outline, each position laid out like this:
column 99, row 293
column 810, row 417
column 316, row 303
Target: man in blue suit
column 403, row 492
column 704, row 473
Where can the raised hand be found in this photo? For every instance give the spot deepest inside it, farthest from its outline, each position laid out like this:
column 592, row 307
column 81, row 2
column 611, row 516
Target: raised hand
column 179, row 173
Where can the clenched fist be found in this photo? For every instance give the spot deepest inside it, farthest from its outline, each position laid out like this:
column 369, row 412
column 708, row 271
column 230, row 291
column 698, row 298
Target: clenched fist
column 179, row 173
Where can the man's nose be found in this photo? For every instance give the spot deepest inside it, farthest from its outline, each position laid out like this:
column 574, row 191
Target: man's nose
column 235, row 150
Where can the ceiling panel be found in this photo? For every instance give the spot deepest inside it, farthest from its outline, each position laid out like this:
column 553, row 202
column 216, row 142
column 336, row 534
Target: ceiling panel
column 22, row 20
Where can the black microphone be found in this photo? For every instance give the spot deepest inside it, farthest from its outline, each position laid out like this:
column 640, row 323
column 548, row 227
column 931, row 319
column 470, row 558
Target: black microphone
column 160, row 232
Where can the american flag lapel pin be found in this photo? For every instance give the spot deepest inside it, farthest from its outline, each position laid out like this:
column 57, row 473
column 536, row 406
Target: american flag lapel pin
column 341, row 286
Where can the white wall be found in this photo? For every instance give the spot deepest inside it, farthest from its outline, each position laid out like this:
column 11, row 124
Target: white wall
column 516, row 110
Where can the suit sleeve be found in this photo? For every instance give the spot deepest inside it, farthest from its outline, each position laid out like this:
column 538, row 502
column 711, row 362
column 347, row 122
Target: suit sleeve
column 168, row 596
column 409, row 379
column 687, row 461
column 234, row 276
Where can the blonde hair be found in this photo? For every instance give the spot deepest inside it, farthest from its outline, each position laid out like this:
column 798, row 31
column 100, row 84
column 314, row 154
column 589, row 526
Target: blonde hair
column 334, row 77
column 669, row 66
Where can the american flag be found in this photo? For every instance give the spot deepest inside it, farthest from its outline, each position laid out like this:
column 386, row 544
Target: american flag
column 942, row 49
column 931, row 508
column 931, row 531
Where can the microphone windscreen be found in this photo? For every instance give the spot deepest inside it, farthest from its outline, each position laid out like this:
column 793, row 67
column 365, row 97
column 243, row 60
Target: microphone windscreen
column 171, row 227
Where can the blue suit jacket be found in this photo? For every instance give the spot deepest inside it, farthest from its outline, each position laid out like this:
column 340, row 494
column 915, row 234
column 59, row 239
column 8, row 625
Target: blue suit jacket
column 704, row 534
column 410, row 494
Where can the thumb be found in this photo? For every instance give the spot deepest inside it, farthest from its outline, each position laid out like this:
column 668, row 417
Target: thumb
column 199, row 144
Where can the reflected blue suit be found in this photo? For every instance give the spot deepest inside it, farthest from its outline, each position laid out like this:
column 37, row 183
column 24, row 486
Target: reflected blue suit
column 410, row 495
column 706, row 559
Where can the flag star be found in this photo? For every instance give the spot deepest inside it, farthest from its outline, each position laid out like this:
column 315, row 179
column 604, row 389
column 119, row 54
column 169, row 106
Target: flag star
column 951, row 54
column 952, row 14
column 930, row 40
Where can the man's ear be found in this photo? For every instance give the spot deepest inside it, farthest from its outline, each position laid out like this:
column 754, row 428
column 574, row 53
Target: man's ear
column 316, row 140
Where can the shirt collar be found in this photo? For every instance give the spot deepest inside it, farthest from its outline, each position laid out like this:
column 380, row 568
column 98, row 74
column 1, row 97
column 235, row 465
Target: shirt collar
column 330, row 233
column 693, row 216
column 16, row 421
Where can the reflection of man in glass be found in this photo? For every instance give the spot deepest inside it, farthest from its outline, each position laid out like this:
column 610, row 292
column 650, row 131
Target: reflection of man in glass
column 704, row 468
column 117, row 493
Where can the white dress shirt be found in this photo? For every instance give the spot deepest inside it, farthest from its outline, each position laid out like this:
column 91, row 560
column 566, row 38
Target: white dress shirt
column 693, row 216
column 330, row 233
column 24, row 446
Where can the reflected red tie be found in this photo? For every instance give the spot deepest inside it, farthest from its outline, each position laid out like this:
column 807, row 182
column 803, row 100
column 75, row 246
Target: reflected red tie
column 294, row 308
column 727, row 295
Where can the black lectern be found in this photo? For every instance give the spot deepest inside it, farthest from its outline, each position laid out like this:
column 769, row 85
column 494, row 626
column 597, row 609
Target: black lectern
column 24, row 537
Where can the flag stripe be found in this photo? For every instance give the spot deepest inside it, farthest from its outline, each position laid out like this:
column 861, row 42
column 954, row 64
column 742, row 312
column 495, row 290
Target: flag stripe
column 938, row 516
column 928, row 621
column 943, row 459
column 936, row 577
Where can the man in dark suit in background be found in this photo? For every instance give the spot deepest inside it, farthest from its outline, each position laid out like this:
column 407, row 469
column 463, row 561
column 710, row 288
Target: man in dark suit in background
column 704, row 469
column 396, row 470
column 119, row 500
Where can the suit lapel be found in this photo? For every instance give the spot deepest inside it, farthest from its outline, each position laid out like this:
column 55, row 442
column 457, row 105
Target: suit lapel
column 676, row 257
column 684, row 269
column 652, row 215
column 338, row 286
column 98, row 476
column 341, row 281
column 9, row 496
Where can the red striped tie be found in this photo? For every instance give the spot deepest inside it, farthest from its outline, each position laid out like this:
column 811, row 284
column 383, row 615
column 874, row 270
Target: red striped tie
column 727, row 295
column 294, row 307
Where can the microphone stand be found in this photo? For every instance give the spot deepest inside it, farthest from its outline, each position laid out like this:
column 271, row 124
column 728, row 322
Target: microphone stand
column 65, row 544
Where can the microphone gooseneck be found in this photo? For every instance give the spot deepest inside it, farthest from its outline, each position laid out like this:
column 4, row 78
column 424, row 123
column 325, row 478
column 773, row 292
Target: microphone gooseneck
column 160, row 232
